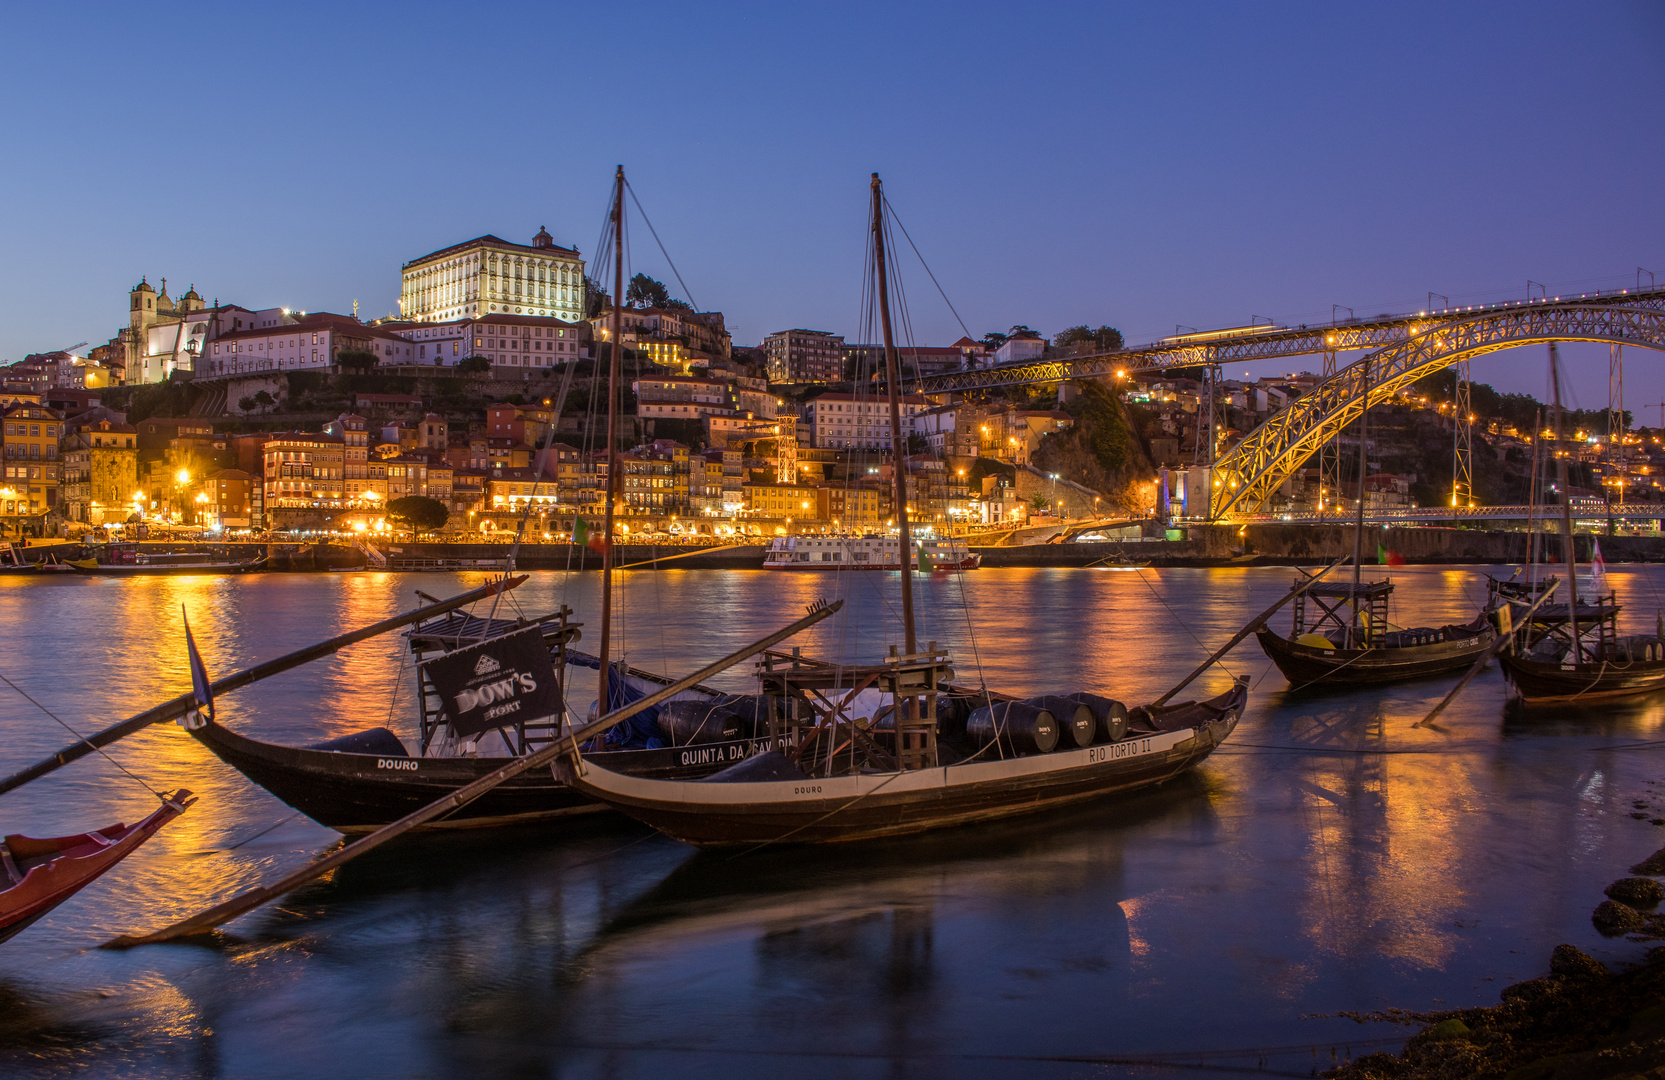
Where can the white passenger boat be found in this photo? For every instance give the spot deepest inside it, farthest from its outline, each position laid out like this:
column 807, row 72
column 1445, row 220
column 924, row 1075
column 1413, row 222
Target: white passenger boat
column 865, row 553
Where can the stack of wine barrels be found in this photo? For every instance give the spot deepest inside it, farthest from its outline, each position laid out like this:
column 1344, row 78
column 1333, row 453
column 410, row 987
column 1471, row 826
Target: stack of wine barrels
column 735, row 716
column 1024, row 728
column 1077, row 726
column 1110, row 715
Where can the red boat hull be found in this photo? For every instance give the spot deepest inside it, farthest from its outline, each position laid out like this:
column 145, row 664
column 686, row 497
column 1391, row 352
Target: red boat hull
column 40, row 874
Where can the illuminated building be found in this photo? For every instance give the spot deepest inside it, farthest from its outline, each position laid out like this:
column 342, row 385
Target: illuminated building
column 489, row 275
column 804, row 356
column 29, row 486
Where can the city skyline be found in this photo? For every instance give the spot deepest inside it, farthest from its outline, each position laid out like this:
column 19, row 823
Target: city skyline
column 1192, row 178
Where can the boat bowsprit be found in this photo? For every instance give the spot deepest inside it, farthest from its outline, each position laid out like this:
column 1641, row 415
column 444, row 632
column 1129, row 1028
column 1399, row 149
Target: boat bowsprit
column 39, row 874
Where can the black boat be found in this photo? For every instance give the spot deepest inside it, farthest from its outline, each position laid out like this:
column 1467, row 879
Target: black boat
column 1558, row 658
column 1343, row 638
column 360, row 782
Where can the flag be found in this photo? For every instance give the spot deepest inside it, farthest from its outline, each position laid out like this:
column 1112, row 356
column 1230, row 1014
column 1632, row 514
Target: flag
column 1381, row 555
column 1598, row 568
column 200, row 684
column 924, row 559
column 583, row 534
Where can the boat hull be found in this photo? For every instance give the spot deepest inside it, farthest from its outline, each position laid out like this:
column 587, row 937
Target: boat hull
column 246, row 566
column 970, row 562
column 1536, row 682
column 359, row 793
column 1304, row 665
column 870, row 806
column 71, row 863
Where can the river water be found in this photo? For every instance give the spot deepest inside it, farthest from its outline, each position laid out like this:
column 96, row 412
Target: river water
column 1329, row 858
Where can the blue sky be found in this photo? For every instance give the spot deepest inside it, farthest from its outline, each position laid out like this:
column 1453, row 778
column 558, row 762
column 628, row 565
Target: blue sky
column 1139, row 165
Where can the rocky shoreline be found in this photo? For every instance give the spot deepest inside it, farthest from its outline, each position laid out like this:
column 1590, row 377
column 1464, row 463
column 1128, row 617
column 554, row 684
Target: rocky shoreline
column 1579, row 1022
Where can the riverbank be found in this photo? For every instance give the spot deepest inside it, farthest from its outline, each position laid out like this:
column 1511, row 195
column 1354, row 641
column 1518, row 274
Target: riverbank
column 1579, row 1022
column 1203, row 546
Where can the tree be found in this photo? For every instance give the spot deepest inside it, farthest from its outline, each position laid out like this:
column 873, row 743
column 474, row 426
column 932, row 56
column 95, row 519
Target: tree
column 595, row 297
column 246, row 403
column 918, row 444
column 355, row 360
column 264, row 399
column 646, row 292
column 478, row 364
column 1105, row 338
column 418, row 513
column 994, row 339
column 1039, row 503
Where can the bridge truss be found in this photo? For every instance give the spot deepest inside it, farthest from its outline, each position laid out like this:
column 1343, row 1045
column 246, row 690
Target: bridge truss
column 1247, row 475
column 1269, row 343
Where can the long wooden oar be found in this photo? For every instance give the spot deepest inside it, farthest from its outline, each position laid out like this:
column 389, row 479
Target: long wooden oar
column 184, row 703
column 1250, row 627
column 1486, row 657
column 568, row 743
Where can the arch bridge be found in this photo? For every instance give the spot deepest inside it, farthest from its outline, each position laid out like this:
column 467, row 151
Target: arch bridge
column 1246, row 476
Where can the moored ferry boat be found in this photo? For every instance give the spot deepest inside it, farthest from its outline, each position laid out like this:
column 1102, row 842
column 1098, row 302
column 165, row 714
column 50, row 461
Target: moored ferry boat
column 871, row 552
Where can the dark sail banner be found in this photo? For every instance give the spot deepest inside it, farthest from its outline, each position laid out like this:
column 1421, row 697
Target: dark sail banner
column 498, row 683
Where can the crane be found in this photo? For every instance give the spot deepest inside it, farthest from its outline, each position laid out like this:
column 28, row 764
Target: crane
column 72, row 348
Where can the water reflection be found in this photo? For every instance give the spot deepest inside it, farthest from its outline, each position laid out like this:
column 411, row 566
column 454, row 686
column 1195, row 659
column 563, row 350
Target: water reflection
column 1330, row 857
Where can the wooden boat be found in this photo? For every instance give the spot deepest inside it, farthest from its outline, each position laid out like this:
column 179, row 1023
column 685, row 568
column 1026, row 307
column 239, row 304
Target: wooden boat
column 13, row 562
column 40, row 874
column 798, row 808
column 1342, row 639
column 1573, row 651
column 131, row 563
column 897, row 747
column 1558, row 659
column 363, row 781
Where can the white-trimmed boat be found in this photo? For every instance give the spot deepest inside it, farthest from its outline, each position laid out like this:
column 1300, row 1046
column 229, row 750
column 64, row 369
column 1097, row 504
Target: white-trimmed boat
column 870, row 552
column 864, row 751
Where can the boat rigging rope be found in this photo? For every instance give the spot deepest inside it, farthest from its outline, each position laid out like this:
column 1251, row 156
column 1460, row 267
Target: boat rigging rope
column 84, row 739
column 1181, row 623
column 893, row 216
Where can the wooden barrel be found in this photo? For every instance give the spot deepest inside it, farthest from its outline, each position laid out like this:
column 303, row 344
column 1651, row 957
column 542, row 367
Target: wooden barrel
column 1077, row 726
column 753, row 711
column 685, row 722
column 1110, row 714
column 1023, row 728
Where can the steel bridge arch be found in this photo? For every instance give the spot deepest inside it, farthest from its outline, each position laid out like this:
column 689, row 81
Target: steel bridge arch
column 1247, row 475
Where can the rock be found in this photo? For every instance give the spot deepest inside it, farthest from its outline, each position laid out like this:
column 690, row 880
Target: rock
column 1574, row 963
column 1653, row 865
column 1449, row 1029
column 1530, row 990
column 1613, row 918
column 1639, row 892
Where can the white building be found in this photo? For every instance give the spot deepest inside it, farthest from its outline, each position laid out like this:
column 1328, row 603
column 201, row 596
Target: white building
column 491, row 276
column 858, row 421
column 1024, row 344
column 312, row 341
column 515, row 342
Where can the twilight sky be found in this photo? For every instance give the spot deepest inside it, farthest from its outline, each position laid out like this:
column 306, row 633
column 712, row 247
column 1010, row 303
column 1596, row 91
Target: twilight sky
column 1139, row 165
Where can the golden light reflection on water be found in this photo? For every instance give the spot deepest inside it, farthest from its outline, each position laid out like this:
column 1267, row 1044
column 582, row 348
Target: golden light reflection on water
column 1329, row 836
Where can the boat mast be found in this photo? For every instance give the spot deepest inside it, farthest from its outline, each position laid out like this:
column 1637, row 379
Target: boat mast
column 898, row 447
column 1358, row 527
column 1569, row 553
column 616, row 348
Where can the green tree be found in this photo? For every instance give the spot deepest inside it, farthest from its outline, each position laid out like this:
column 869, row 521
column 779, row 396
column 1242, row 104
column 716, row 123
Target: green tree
column 595, row 297
column 1038, row 503
column 479, row 364
column 265, row 400
column 1105, row 338
column 355, row 360
column 418, row 513
column 646, row 292
column 917, row 444
column 246, row 403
